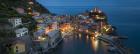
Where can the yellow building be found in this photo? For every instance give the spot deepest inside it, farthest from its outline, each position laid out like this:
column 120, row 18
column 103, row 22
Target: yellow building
column 18, row 47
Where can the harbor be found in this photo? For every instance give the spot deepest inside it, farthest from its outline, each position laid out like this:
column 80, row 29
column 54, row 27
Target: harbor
column 89, row 26
column 40, row 27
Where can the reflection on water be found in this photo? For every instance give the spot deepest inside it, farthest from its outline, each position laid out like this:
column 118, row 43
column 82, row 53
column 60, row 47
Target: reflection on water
column 80, row 35
column 94, row 44
column 79, row 44
column 87, row 37
column 90, row 41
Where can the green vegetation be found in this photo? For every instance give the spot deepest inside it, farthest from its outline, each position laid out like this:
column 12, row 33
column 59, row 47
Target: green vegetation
column 6, row 34
column 7, row 7
column 8, row 10
column 6, row 37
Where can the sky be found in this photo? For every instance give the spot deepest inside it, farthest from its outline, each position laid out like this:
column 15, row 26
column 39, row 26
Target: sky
column 88, row 2
column 77, row 6
column 74, row 2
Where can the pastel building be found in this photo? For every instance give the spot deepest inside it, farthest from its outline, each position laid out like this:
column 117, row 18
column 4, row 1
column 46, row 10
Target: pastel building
column 16, row 21
column 21, row 32
column 18, row 47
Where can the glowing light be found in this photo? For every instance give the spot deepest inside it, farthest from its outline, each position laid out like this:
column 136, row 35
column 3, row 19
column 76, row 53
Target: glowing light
column 94, row 44
column 31, row 3
column 107, row 27
column 100, row 11
column 79, row 35
column 29, row 13
column 47, row 30
column 80, row 30
column 97, row 34
column 29, row 8
column 92, row 34
column 87, row 37
column 41, row 38
column 87, row 31
column 66, row 27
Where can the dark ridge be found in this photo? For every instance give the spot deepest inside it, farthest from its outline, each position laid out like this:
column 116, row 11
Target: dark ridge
column 7, row 7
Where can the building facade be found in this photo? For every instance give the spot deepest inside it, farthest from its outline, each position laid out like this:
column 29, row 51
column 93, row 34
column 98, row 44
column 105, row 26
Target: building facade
column 21, row 32
column 16, row 21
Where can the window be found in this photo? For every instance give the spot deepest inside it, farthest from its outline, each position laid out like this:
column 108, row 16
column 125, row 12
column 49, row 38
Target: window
column 24, row 30
column 26, row 33
column 16, row 48
column 15, row 22
column 53, row 43
column 18, row 35
column 21, row 34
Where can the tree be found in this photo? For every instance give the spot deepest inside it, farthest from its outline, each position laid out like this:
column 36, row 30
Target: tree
column 6, row 37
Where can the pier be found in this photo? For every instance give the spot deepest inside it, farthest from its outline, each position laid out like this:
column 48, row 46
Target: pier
column 112, row 43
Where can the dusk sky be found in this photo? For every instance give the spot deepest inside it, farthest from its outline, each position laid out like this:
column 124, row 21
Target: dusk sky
column 73, row 2
column 78, row 6
column 89, row 2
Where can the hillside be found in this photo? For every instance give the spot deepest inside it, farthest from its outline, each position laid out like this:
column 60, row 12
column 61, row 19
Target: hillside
column 7, row 7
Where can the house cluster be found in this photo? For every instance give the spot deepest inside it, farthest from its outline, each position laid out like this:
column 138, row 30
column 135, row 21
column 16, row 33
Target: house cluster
column 21, row 41
column 16, row 22
column 47, row 34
